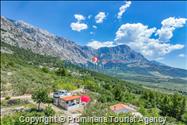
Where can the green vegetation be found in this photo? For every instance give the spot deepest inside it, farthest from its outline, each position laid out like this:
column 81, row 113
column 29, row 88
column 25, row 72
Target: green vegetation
column 25, row 73
column 13, row 102
column 61, row 71
column 170, row 105
column 49, row 111
column 167, row 84
column 7, row 98
column 19, row 118
column 40, row 96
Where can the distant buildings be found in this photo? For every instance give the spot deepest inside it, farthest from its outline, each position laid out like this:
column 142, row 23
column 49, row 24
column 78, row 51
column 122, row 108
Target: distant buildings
column 124, row 108
column 68, row 101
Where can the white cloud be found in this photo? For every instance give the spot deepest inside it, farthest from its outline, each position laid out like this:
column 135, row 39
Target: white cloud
column 123, row 8
column 79, row 17
column 168, row 26
column 174, row 22
column 78, row 26
column 138, row 37
column 181, row 55
column 131, row 32
column 99, row 18
column 95, row 27
column 97, row 44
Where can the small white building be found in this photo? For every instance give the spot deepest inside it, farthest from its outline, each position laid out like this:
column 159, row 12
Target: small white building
column 70, row 102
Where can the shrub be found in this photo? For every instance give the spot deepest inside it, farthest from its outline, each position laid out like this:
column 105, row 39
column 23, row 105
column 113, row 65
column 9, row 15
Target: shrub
column 7, row 98
column 10, row 64
column 40, row 96
column 49, row 111
column 45, row 69
column 66, row 86
column 61, row 72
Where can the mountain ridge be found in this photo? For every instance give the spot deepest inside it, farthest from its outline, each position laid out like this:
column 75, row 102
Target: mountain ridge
column 121, row 58
column 40, row 41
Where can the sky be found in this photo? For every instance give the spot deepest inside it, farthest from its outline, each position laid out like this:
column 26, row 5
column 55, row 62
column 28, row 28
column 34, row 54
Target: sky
column 157, row 30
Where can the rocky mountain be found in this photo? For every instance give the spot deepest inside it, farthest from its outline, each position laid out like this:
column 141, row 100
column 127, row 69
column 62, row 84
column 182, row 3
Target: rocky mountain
column 119, row 60
column 121, row 54
column 21, row 34
column 122, row 59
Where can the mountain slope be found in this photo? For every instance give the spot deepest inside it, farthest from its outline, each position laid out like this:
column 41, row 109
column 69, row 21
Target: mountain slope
column 21, row 34
column 124, row 59
column 120, row 61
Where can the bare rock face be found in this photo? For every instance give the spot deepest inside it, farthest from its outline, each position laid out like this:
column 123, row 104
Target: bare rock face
column 23, row 35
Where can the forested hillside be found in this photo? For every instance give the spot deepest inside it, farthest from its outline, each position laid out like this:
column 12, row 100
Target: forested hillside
column 23, row 72
column 120, row 61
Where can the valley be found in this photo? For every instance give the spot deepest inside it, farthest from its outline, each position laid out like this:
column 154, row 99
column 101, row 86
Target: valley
column 119, row 61
column 34, row 61
column 24, row 72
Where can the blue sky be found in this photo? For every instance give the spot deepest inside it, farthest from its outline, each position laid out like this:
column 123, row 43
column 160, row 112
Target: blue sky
column 140, row 25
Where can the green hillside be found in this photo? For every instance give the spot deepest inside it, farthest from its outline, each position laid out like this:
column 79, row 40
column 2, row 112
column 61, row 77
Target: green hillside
column 23, row 72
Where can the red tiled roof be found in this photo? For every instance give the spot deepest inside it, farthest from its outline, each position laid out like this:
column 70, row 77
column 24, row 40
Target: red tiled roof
column 118, row 106
column 69, row 98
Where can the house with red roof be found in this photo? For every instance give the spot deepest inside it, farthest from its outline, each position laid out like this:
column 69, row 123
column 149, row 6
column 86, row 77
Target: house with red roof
column 69, row 102
column 124, row 108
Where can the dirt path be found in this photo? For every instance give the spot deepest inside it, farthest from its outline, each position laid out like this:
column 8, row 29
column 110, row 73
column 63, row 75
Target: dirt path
column 18, row 97
column 28, row 96
column 55, row 108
